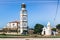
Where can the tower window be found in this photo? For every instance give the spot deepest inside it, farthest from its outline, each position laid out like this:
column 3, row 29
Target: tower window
column 13, row 24
column 24, row 24
column 24, row 12
column 24, row 18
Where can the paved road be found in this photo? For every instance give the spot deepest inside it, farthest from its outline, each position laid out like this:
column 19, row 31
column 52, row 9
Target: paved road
column 29, row 38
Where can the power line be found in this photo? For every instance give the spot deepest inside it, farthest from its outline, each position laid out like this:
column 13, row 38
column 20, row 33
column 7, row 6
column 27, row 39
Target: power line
column 56, row 10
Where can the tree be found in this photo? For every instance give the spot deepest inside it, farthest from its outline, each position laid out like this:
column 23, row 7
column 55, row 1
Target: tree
column 58, row 26
column 53, row 29
column 38, row 28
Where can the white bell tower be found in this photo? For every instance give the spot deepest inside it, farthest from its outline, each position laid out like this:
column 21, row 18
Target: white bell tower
column 23, row 19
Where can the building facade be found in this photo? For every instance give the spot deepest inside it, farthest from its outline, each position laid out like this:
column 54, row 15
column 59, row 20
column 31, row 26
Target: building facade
column 14, row 24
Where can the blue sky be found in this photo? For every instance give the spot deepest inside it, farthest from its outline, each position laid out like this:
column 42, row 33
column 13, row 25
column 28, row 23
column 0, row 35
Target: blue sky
column 39, row 11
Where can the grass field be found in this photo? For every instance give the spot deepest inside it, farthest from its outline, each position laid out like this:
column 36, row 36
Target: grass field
column 11, row 36
column 26, row 36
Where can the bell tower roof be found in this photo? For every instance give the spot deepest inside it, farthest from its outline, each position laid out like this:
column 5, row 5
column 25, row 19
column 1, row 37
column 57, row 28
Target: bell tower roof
column 23, row 5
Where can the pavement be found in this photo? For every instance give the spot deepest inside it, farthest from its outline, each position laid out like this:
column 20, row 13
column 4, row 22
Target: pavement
column 29, row 38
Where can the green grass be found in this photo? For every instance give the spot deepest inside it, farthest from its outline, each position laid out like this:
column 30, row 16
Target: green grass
column 12, row 36
column 26, row 36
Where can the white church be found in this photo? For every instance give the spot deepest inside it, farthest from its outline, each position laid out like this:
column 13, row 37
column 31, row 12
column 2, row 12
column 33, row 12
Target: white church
column 47, row 30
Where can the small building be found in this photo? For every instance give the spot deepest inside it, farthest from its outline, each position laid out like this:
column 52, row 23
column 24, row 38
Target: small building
column 31, row 31
column 13, row 24
column 47, row 30
column 12, row 27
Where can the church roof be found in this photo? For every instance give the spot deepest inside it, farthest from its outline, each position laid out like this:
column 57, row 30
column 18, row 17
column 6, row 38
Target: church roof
column 14, row 22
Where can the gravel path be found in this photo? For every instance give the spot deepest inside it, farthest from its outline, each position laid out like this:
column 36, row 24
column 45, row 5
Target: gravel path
column 29, row 38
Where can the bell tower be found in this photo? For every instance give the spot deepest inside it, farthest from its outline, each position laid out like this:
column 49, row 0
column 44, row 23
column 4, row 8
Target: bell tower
column 23, row 19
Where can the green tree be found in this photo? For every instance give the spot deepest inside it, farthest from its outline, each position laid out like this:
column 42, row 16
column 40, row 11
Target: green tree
column 58, row 26
column 53, row 29
column 38, row 28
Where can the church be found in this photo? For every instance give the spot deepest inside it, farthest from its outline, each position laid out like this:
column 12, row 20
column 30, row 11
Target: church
column 47, row 30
